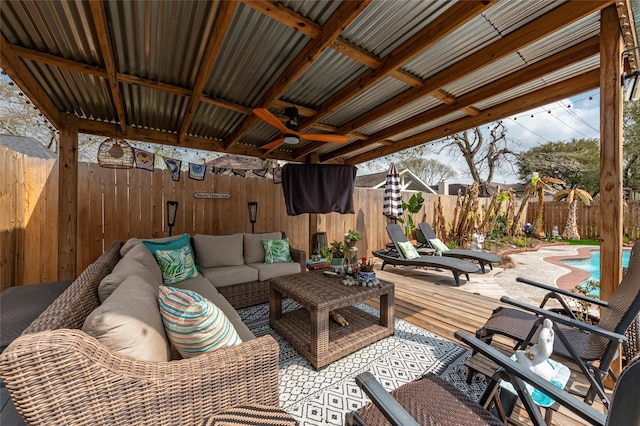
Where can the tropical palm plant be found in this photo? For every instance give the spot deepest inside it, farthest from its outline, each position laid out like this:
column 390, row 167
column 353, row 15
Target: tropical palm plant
column 571, row 196
column 536, row 186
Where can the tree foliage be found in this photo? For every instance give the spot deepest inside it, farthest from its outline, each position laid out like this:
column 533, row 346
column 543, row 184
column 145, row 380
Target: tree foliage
column 631, row 148
column 577, row 163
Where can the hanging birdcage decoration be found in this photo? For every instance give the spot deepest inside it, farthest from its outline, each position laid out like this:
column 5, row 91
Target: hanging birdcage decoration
column 115, row 153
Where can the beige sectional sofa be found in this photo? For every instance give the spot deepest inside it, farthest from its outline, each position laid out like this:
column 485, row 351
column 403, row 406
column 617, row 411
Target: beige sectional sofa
column 99, row 353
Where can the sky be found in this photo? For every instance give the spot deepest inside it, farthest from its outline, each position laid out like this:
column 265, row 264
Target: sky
column 577, row 117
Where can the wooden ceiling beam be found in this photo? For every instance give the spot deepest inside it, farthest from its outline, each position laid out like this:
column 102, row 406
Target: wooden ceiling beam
column 46, row 58
column 450, row 20
column 579, row 84
column 106, row 129
column 22, row 76
column 356, row 53
column 537, row 29
column 339, row 20
column 224, row 14
column 99, row 15
column 286, row 16
column 100, row 72
column 578, row 52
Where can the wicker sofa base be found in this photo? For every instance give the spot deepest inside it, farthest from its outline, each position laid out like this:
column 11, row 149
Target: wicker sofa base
column 59, row 375
column 246, row 294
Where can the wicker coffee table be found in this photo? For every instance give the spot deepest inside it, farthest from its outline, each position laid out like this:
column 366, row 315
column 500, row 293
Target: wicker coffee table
column 310, row 330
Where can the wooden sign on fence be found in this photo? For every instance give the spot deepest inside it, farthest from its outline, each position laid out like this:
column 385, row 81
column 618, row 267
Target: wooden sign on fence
column 211, row 195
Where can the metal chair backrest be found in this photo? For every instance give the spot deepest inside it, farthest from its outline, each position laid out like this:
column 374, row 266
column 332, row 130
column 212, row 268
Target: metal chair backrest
column 624, row 305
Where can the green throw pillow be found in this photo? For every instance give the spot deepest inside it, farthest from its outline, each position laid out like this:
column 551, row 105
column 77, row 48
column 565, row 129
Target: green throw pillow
column 176, row 265
column 175, row 258
column 408, row 250
column 194, row 324
column 276, row 251
column 438, row 245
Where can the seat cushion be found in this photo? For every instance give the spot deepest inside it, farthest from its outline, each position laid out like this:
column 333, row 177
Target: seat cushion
column 253, row 248
column 128, row 322
column 213, row 251
column 194, row 324
column 268, row 271
column 203, row 287
column 138, row 261
column 230, row 275
column 251, row 415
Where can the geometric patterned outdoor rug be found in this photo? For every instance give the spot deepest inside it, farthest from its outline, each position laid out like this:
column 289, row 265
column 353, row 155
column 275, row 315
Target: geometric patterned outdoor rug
column 324, row 397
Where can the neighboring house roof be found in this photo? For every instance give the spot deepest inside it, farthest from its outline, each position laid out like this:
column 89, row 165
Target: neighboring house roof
column 408, row 181
column 27, row 146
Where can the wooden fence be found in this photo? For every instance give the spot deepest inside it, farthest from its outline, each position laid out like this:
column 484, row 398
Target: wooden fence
column 588, row 218
column 121, row 204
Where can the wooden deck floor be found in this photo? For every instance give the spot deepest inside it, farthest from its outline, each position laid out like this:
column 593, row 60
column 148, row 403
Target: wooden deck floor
column 431, row 300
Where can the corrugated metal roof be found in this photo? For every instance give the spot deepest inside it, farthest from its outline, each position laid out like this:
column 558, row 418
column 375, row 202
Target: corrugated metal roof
column 476, row 34
column 508, row 16
column 154, row 52
column 384, row 25
column 384, row 90
column 326, row 76
column 430, row 125
column 416, row 107
column 76, row 93
column 248, row 65
column 154, row 109
column 164, row 42
column 214, row 122
column 547, row 80
column 44, row 25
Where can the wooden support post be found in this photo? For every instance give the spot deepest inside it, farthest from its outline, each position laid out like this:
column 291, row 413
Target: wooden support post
column 611, row 201
column 68, row 198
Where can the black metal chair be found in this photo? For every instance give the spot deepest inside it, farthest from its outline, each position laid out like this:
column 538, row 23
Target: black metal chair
column 592, row 348
column 431, row 400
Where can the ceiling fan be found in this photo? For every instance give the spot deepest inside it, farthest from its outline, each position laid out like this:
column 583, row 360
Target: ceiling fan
column 289, row 129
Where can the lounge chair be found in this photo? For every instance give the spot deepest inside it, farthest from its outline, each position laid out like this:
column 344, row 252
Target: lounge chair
column 592, row 348
column 482, row 257
column 432, row 400
column 395, row 256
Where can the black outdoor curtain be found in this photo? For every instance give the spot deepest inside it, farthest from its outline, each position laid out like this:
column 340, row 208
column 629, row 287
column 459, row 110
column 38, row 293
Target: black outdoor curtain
column 318, row 188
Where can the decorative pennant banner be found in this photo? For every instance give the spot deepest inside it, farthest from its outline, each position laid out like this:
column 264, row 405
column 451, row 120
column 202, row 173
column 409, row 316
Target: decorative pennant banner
column 197, row 171
column 277, row 175
column 143, row 159
column 174, row 167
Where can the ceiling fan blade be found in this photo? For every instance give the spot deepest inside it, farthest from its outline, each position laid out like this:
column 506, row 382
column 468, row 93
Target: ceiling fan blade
column 269, row 118
column 273, row 145
column 324, row 137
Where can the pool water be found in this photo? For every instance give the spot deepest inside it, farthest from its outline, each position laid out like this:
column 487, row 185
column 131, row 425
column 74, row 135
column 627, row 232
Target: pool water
column 592, row 265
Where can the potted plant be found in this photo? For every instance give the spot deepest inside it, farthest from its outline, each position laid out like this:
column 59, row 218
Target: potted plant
column 412, row 207
column 351, row 237
column 366, row 274
column 339, row 252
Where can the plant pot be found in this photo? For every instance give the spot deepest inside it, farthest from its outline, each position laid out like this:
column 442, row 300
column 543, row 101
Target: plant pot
column 337, row 264
column 366, row 278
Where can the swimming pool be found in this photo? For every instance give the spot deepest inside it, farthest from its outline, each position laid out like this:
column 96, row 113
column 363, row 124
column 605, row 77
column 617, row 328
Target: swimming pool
column 592, row 265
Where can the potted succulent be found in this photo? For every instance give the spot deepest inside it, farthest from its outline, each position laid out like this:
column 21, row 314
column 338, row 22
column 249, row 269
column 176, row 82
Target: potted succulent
column 366, row 274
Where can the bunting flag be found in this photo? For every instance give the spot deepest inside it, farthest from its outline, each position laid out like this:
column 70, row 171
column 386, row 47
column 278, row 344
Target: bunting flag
column 277, row 175
column 174, row 167
column 143, row 159
column 238, row 172
column 197, row 171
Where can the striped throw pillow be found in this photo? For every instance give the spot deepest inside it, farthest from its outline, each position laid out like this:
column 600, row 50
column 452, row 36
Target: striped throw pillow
column 193, row 323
